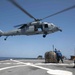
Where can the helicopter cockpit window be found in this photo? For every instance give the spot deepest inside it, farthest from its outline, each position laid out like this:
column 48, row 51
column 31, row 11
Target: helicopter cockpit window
column 46, row 25
column 52, row 25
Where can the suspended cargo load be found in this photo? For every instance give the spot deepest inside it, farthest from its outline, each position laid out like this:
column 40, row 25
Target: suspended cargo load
column 50, row 57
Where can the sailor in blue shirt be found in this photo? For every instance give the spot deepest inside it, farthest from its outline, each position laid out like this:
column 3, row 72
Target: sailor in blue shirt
column 59, row 55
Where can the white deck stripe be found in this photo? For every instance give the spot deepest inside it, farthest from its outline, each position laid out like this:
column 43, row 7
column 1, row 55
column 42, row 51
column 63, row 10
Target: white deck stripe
column 55, row 64
column 11, row 67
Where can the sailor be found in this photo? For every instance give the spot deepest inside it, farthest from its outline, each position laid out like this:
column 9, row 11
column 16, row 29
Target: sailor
column 58, row 55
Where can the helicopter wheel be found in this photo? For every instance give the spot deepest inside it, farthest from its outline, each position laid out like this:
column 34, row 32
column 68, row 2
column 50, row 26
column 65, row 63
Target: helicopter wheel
column 44, row 36
column 6, row 38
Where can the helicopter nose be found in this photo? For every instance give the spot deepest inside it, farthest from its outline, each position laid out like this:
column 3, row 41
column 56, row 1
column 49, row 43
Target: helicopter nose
column 59, row 29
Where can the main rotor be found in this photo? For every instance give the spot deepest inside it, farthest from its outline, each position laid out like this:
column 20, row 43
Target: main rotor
column 35, row 19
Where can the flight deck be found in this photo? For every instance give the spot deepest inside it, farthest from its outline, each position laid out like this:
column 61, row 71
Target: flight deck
column 35, row 67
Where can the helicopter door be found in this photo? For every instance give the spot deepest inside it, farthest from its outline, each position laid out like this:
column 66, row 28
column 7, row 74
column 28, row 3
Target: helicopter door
column 38, row 28
column 35, row 28
column 45, row 27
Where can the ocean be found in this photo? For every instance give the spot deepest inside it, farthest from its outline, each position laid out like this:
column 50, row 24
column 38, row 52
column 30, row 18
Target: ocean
column 8, row 58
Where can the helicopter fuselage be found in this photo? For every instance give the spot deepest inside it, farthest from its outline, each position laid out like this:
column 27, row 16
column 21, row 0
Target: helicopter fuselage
column 33, row 28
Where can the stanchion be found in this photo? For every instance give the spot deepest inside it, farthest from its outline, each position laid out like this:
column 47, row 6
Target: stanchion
column 74, row 64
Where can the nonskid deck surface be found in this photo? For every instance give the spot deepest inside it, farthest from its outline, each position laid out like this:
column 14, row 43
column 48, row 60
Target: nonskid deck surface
column 36, row 67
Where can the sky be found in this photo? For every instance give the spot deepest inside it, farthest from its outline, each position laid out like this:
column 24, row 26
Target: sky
column 35, row 45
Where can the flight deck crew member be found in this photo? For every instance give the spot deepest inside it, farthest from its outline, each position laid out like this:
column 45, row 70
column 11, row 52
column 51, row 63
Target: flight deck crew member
column 59, row 56
column 56, row 54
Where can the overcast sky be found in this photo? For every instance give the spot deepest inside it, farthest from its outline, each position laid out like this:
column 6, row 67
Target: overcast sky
column 32, row 46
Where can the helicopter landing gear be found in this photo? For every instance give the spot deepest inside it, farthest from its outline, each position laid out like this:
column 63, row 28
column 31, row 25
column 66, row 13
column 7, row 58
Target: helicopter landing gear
column 44, row 35
column 6, row 38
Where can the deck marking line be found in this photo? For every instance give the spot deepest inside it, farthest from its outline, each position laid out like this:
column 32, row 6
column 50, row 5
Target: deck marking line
column 49, row 71
column 11, row 67
column 59, row 64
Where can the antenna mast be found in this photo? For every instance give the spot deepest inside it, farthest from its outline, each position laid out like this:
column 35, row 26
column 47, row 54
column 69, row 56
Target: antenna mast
column 53, row 47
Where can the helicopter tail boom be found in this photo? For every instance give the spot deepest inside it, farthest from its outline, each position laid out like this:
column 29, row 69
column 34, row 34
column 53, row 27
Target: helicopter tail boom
column 1, row 33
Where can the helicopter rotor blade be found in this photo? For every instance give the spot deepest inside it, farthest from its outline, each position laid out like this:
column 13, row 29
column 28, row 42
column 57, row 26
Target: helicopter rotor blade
column 69, row 8
column 18, row 25
column 17, row 5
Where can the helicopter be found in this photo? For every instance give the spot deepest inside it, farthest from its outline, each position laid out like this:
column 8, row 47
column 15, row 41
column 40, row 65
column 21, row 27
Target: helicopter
column 35, row 27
